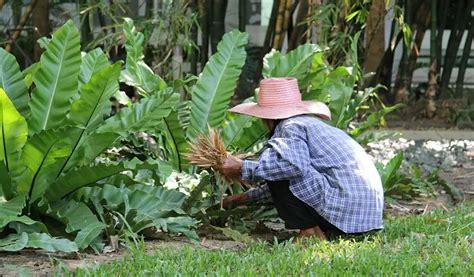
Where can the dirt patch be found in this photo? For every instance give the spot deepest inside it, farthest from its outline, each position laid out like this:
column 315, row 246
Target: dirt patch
column 41, row 263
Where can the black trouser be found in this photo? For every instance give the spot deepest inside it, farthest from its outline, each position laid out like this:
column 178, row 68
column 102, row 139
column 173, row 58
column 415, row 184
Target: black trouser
column 296, row 213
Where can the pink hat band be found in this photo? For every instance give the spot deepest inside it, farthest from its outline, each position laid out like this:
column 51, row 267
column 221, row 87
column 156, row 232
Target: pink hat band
column 277, row 92
column 280, row 98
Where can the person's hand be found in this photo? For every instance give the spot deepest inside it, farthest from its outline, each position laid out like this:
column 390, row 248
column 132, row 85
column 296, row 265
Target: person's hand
column 231, row 167
column 235, row 199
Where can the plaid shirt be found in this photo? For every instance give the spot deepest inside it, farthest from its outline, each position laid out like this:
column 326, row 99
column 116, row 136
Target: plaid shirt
column 327, row 170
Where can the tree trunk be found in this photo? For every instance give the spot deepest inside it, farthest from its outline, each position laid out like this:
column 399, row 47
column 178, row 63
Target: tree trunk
column 374, row 36
column 219, row 8
column 242, row 15
column 40, row 19
column 271, row 27
column 279, row 25
column 431, row 91
column 401, row 82
column 194, row 37
column 86, row 32
column 420, row 20
column 21, row 24
column 300, row 28
column 204, row 11
column 463, row 12
column 443, row 12
column 464, row 60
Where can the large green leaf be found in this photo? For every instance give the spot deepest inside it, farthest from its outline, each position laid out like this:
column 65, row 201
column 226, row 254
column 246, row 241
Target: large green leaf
column 48, row 243
column 89, row 175
column 78, row 218
column 14, row 242
column 11, row 209
column 212, row 92
column 56, row 80
column 142, row 206
column 388, row 172
column 11, row 80
column 137, row 73
column 141, row 116
column 43, row 155
column 92, row 63
column 241, row 132
column 294, row 64
column 176, row 141
column 13, row 132
column 88, row 111
column 6, row 188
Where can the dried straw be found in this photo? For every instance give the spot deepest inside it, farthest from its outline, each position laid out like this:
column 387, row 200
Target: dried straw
column 208, row 151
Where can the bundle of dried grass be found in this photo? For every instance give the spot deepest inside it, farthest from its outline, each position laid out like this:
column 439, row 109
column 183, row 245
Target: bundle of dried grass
column 208, row 151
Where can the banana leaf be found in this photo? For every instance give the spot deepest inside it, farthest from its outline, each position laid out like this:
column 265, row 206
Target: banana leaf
column 56, row 80
column 11, row 80
column 212, row 92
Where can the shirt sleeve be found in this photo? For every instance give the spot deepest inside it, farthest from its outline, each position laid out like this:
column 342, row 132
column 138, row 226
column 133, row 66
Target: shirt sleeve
column 257, row 194
column 286, row 157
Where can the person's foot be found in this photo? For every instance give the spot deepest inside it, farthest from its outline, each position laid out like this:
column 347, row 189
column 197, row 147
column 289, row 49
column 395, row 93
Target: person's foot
column 312, row 232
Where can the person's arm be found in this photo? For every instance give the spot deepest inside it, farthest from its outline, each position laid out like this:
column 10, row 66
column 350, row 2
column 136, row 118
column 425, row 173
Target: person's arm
column 258, row 194
column 287, row 157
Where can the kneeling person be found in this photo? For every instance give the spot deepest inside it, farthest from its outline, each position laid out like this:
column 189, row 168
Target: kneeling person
column 321, row 180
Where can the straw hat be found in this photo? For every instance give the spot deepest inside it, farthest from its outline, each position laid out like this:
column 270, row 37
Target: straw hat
column 281, row 98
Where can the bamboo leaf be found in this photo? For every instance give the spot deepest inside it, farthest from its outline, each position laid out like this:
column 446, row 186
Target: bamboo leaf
column 212, row 92
column 56, row 80
column 11, row 80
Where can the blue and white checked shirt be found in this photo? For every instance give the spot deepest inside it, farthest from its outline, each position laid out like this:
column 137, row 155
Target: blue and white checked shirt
column 327, row 170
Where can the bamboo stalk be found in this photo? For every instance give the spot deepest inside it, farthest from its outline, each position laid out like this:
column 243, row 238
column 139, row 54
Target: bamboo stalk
column 431, row 91
column 279, row 24
column 21, row 24
column 462, row 16
column 299, row 30
column 464, row 59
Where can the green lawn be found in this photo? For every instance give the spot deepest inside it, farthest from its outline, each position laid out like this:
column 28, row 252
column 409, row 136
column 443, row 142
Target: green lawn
column 438, row 243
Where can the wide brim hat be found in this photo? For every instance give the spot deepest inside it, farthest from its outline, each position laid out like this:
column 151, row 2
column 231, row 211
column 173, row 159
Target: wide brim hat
column 280, row 98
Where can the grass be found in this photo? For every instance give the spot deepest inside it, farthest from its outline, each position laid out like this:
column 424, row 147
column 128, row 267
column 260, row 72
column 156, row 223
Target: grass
column 438, row 243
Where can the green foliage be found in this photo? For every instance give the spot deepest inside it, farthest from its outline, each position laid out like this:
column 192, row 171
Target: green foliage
column 42, row 169
column 12, row 82
column 56, row 79
column 137, row 73
column 399, row 185
column 212, row 92
column 443, row 236
column 139, row 207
